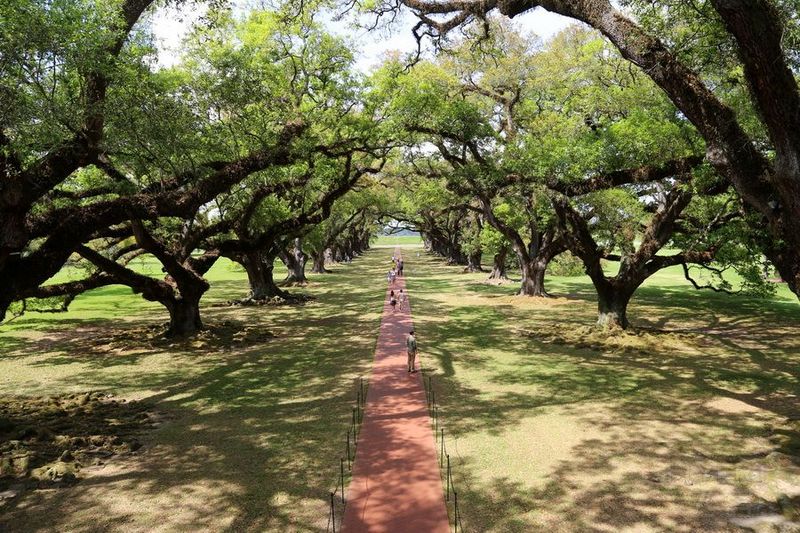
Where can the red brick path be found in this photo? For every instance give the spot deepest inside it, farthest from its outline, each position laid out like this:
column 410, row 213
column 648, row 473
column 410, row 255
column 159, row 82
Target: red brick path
column 396, row 485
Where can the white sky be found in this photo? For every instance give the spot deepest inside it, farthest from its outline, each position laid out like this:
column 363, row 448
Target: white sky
column 170, row 26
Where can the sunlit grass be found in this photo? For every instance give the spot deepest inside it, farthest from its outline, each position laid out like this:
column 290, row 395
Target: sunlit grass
column 549, row 425
column 553, row 426
column 398, row 240
column 252, row 433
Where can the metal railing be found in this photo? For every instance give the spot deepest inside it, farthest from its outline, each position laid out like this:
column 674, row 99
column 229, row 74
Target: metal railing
column 338, row 501
column 445, row 467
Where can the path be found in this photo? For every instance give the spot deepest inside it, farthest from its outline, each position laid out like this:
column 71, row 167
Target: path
column 396, row 485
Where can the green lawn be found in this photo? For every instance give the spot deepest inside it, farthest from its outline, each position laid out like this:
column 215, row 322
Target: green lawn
column 252, row 433
column 680, row 426
column 398, row 240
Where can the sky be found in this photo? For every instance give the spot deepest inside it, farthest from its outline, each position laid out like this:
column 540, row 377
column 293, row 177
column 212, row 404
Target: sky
column 170, row 26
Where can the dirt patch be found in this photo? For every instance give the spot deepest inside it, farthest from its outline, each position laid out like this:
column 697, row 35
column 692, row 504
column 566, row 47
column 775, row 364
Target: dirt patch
column 537, row 302
column 225, row 334
column 291, row 299
column 616, row 340
column 497, row 281
column 48, row 441
column 731, row 406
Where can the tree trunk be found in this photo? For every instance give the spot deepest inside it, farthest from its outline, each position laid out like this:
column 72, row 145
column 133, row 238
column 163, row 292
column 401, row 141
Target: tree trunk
column 474, row 262
column 295, row 261
column 453, row 254
column 351, row 248
column 184, row 316
column 318, row 262
column 612, row 307
column 259, row 268
column 499, row 265
column 533, row 277
column 5, row 303
column 427, row 244
column 365, row 241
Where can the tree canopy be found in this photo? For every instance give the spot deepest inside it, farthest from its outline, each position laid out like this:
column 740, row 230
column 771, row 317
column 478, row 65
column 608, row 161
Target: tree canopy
column 647, row 138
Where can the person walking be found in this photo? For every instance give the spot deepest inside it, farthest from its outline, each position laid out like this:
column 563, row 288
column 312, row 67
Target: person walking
column 393, row 301
column 411, row 345
column 401, row 299
column 400, row 265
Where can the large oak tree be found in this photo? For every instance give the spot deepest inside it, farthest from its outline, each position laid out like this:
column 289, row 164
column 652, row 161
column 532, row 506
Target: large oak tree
column 765, row 174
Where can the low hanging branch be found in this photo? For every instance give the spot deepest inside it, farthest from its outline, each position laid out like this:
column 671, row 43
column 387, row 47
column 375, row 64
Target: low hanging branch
column 717, row 272
column 65, row 293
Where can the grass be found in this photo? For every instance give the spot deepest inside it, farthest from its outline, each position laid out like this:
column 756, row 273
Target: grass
column 398, row 240
column 678, row 427
column 252, row 435
column 118, row 303
column 552, row 427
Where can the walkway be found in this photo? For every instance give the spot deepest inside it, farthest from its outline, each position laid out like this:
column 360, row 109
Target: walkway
column 396, row 485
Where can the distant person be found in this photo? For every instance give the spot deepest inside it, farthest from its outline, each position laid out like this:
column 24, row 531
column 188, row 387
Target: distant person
column 411, row 345
column 401, row 299
column 393, row 301
column 392, row 276
column 400, row 268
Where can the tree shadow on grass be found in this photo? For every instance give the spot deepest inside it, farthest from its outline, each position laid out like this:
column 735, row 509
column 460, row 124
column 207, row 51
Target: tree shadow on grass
column 252, row 436
column 215, row 438
column 668, row 438
column 665, row 459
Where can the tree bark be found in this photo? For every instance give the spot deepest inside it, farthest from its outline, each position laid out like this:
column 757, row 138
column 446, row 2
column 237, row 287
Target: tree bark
column 184, row 316
column 533, row 277
column 295, row 261
column 614, row 293
column 259, row 267
column 612, row 306
column 499, row 265
column 444, row 240
column 543, row 245
column 474, row 262
column 179, row 294
column 318, row 262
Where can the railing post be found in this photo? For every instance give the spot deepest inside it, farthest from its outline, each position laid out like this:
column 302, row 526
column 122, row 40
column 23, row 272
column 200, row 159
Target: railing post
column 441, row 453
column 341, row 465
column 333, row 513
column 448, row 478
column 455, row 513
column 348, row 450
